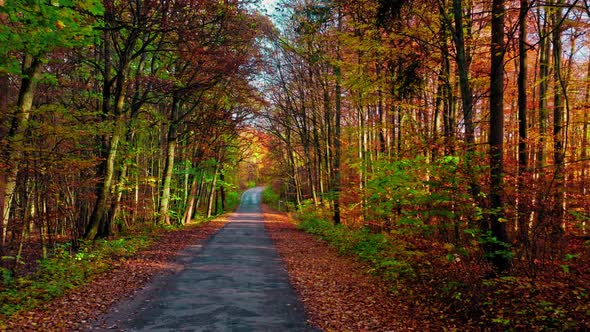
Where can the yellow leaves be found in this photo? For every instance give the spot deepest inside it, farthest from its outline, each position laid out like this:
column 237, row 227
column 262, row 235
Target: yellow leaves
column 59, row 25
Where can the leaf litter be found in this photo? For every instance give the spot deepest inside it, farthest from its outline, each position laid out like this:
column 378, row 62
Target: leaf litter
column 78, row 308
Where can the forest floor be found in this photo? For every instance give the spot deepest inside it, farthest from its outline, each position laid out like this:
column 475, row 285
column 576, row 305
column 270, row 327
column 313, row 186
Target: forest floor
column 79, row 307
column 336, row 290
column 340, row 293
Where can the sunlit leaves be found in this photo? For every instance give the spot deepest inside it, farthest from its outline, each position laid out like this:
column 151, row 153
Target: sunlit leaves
column 36, row 27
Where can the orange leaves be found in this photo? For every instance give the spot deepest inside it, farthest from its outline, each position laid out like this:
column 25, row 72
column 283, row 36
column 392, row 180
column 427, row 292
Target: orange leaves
column 338, row 295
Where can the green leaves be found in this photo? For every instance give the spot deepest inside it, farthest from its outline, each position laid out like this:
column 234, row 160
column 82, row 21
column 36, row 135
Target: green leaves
column 36, row 27
column 391, row 261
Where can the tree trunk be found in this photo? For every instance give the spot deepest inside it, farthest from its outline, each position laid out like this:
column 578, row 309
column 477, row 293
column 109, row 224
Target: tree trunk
column 522, row 120
column 12, row 154
column 496, row 137
column 463, row 63
column 4, row 92
column 164, row 217
column 119, row 190
column 584, row 152
column 97, row 226
column 222, row 190
column 212, row 192
column 188, row 213
column 544, row 47
column 558, row 116
column 338, row 115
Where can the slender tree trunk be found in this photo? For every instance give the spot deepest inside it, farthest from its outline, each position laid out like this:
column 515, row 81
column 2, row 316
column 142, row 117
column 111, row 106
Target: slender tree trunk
column 119, row 190
column 463, row 63
column 544, row 47
column 212, row 192
column 558, row 115
column 222, row 190
column 188, row 213
column 496, row 138
column 200, row 192
column 337, row 148
column 584, row 152
column 522, row 120
column 381, row 113
column 31, row 69
column 4, row 92
column 328, row 142
column 164, row 216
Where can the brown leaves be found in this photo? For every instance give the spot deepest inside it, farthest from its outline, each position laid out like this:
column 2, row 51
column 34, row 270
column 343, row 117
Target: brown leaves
column 337, row 293
column 79, row 307
column 443, row 295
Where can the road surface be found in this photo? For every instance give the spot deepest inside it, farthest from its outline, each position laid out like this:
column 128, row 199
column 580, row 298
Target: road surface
column 235, row 282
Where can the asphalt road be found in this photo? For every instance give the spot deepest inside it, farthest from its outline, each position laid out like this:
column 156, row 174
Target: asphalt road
column 235, row 282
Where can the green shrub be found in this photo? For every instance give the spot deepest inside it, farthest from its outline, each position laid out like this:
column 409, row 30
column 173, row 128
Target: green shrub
column 65, row 270
column 232, row 200
column 270, row 197
column 385, row 259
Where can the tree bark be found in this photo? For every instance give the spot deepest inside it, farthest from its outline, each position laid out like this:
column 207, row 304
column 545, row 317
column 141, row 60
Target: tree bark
column 558, row 116
column 98, row 220
column 12, row 154
column 544, row 47
column 463, row 63
column 496, row 137
column 522, row 120
column 584, row 152
column 463, row 60
column 164, row 216
column 338, row 116
column 188, row 213
column 212, row 192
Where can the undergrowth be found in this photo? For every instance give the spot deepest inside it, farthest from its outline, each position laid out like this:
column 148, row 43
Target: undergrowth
column 64, row 270
column 271, row 198
column 387, row 258
column 454, row 288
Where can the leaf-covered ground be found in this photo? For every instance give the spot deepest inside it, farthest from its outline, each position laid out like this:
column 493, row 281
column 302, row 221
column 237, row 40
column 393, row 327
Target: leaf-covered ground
column 79, row 307
column 340, row 295
column 336, row 291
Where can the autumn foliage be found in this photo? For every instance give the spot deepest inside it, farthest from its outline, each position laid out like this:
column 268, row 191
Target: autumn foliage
column 463, row 138
column 117, row 116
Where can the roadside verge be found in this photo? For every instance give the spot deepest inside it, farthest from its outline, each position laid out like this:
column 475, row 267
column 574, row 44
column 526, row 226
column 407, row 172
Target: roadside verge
column 337, row 292
column 77, row 308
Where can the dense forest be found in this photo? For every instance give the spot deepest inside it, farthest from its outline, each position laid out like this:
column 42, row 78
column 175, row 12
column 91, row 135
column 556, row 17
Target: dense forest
column 118, row 113
column 457, row 129
column 452, row 120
